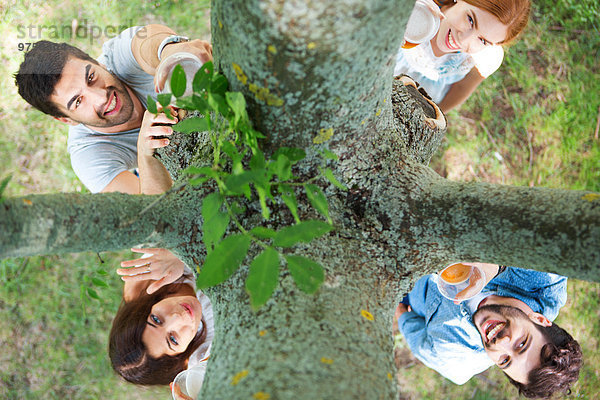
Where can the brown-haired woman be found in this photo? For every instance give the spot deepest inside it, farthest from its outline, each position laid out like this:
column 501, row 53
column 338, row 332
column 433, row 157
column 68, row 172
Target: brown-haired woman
column 466, row 49
column 163, row 325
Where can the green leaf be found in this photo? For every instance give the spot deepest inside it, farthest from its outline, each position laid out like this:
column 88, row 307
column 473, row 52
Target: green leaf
column 164, row 99
column 283, row 168
column 262, row 197
column 211, row 205
column 289, row 198
column 237, row 208
column 101, row 272
column 330, row 155
column 238, row 104
column 151, row 104
column 3, row 186
column 233, row 153
column 187, row 103
column 307, row 274
column 194, row 170
column 203, row 77
column 217, row 103
column 200, row 103
column 292, row 153
column 193, row 124
column 318, row 200
column 263, row 277
column 99, row 282
column 92, row 293
column 223, row 261
column 219, row 85
column 257, row 162
column 178, row 81
column 215, row 221
column 304, row 231
column 327, row 173
column 263, row 233
column 240, row 183
column 199, row 180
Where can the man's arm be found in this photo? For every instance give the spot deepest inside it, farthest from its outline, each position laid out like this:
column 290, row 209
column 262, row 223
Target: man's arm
column 125, row 182
column 147, row 40
column 154, row 177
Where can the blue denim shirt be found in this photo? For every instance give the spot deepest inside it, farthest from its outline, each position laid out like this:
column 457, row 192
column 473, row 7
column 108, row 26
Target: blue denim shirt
column 442, row 335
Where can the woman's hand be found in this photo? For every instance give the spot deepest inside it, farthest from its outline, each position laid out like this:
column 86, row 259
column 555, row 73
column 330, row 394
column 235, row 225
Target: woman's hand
column 177, row 393
column 162, row 266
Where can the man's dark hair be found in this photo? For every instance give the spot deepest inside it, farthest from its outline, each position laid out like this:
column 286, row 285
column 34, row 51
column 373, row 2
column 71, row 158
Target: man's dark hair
column 41, row 70
column 561, row 360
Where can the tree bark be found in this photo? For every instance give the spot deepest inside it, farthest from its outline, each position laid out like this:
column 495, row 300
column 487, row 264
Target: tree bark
column 318, row 75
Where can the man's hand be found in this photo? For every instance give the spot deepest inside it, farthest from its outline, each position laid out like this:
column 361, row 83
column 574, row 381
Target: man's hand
column 199, row 48
column 153, row 130
column 476, row 283
column 163, row 267
column 401, row 309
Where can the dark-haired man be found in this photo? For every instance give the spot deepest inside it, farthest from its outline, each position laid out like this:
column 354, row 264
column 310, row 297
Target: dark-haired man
column 507, row 324
column 104, row 102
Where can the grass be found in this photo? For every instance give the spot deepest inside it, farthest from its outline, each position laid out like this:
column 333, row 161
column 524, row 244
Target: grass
column 531, row 123
column 55, row 347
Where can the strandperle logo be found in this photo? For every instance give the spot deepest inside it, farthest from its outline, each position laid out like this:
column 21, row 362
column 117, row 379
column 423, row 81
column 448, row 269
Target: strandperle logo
column 78, row 29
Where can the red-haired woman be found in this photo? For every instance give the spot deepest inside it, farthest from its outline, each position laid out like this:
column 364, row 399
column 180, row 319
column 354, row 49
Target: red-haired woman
column 466, row 49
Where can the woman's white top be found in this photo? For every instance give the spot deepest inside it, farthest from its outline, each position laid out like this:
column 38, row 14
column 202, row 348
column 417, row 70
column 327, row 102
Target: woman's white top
column 437, row 74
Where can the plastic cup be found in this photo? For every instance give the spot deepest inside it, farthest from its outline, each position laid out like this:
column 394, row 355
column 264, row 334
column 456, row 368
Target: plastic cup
column 421, row 27
column 189, row 382
column 456, row 277
column 190, row 63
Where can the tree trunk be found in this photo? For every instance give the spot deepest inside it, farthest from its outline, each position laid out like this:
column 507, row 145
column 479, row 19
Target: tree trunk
column 318, row 75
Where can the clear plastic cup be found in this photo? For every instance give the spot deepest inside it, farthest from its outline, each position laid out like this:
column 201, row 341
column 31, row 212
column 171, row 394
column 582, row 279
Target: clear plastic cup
column 422, row 25
column 457, row 277
column 189, row 382
column 190, row 63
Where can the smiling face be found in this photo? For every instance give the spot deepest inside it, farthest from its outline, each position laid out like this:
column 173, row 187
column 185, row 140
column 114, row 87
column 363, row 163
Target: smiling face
column 468, row 29
column 511, row 339
column 172, row 325
column 87, row 93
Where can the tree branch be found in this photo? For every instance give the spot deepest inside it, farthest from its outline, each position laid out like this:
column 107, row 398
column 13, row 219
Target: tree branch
column 61, row 223
column 547, row 229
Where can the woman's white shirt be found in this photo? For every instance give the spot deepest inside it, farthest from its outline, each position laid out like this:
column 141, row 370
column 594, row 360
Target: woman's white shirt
column 437, row 74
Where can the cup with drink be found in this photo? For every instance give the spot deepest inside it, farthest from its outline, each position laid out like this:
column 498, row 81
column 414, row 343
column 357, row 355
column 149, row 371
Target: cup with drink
column 423, row 24
column 458, row 278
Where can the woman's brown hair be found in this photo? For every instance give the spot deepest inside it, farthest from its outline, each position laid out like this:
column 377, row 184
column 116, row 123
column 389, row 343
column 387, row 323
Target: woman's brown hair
column 128, row 354
column 512, row 13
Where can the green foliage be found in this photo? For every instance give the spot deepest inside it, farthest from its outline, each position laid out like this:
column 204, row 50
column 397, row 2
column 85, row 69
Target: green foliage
column 262, row 277
column 92, row 283
column 240, row 168
column 307, row 274
column 225, row 259
column 215, row 221
column 304, row 231
column 584, row 14
column 3, row 186
column 178, row 81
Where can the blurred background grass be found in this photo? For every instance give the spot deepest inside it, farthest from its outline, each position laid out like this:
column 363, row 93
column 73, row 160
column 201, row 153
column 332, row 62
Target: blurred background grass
column 532, row 123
